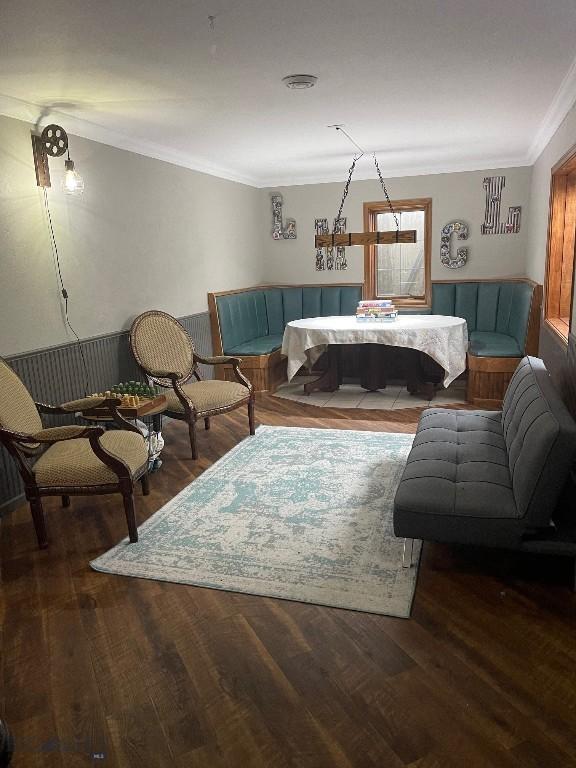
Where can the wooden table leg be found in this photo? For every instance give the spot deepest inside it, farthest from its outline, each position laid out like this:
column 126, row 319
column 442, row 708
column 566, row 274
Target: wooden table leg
column 373, row 370
column 329, row 381
column 426, row 390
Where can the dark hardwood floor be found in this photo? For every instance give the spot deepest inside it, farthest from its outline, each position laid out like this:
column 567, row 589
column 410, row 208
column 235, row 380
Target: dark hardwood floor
column 143, row 673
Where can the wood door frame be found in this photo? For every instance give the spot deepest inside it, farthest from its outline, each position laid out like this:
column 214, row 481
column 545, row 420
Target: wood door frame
column 559, row 188
column 371, row 210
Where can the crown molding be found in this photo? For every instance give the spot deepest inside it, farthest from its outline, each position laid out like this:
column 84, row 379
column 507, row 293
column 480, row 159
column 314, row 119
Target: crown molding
column 561, row 104
column 28, row 112
column 488, row 164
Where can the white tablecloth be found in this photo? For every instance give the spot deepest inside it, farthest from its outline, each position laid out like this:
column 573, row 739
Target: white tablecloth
column 444, row 339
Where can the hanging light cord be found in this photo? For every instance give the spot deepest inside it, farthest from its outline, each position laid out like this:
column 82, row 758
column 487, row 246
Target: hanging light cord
column 345, row 194
column 351, row 171
column 63, row 291
column 383, row 185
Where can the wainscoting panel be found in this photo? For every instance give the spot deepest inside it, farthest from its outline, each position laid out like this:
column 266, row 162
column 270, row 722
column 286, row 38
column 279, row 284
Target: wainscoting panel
column 57, row 374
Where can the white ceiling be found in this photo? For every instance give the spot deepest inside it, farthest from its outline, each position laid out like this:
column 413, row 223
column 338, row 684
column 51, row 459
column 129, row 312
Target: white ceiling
column 432, row 86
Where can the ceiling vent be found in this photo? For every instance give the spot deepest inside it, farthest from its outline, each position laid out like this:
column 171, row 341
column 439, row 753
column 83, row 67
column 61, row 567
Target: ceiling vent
column 299, row 82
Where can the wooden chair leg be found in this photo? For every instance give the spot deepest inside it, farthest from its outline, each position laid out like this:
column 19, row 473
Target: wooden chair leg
column 145, row 482
column 207, row 422
column 65, row 501
column 192, row 434
column 130, row 517
column 251, row 415
column 39, row 522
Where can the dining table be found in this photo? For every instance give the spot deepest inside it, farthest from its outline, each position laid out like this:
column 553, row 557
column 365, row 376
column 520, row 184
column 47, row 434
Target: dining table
column 443, row 339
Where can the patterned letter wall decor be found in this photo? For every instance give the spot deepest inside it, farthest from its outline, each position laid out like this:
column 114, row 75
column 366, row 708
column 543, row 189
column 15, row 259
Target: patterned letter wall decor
column 492, row 225
column 446, row 257
column 279, row 230
column 325, row 256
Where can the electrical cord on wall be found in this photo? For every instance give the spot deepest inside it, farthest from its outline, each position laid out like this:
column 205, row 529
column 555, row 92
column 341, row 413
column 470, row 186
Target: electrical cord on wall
column 63, row 291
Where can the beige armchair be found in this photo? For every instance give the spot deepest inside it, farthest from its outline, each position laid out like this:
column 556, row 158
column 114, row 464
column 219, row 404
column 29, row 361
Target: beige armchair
column 166, row 355
column 69, row 460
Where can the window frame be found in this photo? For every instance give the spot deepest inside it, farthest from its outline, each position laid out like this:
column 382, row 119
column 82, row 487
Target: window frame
column 371, row 210
column 562, row 189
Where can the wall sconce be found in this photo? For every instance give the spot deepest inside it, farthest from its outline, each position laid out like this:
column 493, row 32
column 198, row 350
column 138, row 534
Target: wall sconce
column 53, row 142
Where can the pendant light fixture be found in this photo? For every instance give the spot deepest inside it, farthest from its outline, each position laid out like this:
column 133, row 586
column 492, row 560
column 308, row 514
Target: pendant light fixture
column 364, row 238
column 72, row 183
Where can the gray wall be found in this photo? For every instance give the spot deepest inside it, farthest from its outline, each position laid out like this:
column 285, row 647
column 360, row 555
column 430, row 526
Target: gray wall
column 146, row 234
column 454, row 196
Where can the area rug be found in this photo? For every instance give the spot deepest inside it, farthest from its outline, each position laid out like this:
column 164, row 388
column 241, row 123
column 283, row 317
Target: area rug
column 299, row 514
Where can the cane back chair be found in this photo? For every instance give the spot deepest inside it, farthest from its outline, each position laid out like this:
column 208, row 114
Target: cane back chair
column 70, row 460
column 166, row 355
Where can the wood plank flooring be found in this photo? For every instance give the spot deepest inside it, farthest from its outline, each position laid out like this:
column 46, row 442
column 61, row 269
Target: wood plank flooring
column 105, row 670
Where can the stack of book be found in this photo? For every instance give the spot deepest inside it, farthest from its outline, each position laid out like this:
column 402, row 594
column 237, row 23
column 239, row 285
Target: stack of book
column 376, row 309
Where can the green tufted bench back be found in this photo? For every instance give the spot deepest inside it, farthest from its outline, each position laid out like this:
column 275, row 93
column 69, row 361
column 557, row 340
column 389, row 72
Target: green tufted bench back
column 252, row 322
column 496, row 313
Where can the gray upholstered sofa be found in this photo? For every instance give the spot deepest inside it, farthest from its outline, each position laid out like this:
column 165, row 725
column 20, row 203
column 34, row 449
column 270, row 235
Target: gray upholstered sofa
column 493, row 478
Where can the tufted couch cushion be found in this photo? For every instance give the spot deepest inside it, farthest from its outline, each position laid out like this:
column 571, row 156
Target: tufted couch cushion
column 496, row 314
column 252, row 322
column 488, row 477
column 540, row 440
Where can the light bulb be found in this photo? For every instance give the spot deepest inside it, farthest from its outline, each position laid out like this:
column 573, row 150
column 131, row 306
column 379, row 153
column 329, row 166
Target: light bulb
column 73, row 183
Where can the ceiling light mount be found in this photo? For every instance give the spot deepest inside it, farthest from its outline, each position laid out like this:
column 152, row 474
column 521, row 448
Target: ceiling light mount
column 299, row 82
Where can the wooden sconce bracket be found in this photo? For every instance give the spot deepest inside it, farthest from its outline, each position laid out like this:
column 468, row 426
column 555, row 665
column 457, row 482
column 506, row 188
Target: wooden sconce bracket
column 40, row 162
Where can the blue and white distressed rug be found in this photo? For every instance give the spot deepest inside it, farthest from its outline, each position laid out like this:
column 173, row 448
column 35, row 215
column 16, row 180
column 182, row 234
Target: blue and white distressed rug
column 300, row 514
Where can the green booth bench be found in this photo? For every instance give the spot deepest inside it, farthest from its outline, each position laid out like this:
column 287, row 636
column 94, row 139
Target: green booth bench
column 502, row 318
column 250, row 324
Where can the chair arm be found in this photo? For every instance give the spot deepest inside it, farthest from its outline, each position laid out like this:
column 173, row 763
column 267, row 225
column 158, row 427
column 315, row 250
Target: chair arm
column 9, row 436
column 50, row 435
column 167, row 375
column 115, row 463
column 234, row 361
column 218, row 360
column 57, row 434
column 87, row 404
column 83, row 404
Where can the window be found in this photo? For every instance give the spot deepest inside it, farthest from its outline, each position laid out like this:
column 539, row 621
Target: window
column 561, row 243
column 400, row 271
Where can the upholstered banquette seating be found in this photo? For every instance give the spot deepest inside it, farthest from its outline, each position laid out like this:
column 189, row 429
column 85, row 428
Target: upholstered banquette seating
column 502, row 319
column 250, row 323
column 496, row 314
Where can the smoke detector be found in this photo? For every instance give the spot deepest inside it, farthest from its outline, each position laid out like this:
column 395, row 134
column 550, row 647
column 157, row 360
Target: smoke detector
column 299, row 82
